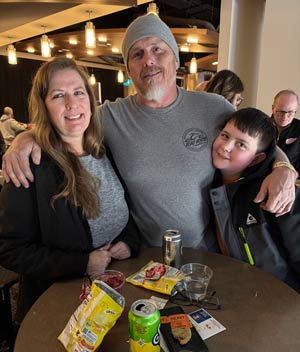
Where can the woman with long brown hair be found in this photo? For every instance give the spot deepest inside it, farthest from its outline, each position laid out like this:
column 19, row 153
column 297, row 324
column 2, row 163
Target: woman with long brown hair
column 74, row 218
column 228, row 84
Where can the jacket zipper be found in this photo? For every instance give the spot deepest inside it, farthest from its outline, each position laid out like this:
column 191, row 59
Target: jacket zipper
column 246, row 246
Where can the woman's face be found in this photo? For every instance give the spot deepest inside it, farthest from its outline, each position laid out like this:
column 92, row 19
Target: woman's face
column 68, row 106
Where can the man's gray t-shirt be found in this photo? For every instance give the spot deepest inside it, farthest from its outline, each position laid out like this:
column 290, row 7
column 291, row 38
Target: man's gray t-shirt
column 164, row 158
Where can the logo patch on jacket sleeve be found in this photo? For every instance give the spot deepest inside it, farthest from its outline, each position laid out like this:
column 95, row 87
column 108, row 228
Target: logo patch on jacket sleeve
column 290, row 140
column 251, row 219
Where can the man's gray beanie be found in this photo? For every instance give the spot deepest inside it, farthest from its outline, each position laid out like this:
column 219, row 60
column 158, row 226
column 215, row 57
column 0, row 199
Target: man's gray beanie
column 149, row 25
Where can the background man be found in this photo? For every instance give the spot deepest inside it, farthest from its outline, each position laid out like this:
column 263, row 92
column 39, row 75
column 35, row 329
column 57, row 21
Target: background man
column 10, row 127
column 284, row 109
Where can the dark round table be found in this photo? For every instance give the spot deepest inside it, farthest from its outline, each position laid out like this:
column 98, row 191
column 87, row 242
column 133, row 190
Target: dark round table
column 260, row 313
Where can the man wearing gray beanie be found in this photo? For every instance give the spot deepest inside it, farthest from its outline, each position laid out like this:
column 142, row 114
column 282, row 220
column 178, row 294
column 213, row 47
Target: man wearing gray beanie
column 148, row 26
column 160, row 139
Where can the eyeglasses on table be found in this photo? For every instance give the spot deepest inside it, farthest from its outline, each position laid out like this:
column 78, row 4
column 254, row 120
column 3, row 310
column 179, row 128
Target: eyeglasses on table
column 178, row 296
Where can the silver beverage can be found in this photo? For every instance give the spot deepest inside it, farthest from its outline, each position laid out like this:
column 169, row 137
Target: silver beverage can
column 172, row 248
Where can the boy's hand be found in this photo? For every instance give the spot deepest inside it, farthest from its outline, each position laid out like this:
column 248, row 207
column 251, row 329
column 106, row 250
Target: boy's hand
column 277, row 192
column 15, row 163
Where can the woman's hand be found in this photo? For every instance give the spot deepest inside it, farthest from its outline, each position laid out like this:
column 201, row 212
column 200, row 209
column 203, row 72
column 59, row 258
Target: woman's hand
column 98, row 262
column 120, row 250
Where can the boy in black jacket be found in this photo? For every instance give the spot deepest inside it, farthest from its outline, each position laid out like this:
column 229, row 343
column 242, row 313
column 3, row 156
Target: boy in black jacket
column 243, row 154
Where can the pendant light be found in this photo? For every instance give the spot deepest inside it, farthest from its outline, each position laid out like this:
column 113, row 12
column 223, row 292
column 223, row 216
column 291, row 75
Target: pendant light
column 152, row 8
column 120, row 76
column 45, row 45
column 92, row 79
column 11, row 55
column 90, row 36
column 193, row 65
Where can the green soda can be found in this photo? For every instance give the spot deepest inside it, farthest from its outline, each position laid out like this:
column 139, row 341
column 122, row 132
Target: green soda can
column 144, row 321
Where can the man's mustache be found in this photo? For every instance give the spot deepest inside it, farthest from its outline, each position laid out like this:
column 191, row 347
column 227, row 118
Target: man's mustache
column 148, row 71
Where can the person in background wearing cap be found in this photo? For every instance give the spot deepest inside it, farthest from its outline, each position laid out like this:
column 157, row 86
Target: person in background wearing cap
column 9, row 127
column 160, row 140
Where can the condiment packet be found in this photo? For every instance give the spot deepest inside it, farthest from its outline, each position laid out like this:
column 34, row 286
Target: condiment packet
column 159, row 302
column 163, row 283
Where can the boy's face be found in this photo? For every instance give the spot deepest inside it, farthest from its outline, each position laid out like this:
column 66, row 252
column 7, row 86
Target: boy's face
column 233, row 151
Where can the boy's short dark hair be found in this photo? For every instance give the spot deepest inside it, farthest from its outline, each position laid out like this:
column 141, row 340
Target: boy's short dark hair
column 257, row 124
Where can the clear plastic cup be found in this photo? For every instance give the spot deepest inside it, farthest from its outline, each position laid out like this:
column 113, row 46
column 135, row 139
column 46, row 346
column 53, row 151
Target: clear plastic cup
column 196, row 278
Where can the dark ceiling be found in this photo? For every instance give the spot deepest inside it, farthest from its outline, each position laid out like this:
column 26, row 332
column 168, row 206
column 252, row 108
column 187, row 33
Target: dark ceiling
column 176, row 13
column 179, row 13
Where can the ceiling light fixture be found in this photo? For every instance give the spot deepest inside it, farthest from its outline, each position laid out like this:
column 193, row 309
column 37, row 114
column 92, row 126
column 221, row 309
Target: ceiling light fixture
column 215, row 63
column 73, row 41
column 120, row 76
column 102, row 39
column 11, row 55
column 92, row 79
column 30, row 50
column 192, row 40
column 90, row 36
column 45, row 45
column 193, row 65
column 184, row 48
column 152, row 8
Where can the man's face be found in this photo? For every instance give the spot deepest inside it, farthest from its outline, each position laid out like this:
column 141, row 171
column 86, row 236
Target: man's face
column 152, row 67
column 284, row 109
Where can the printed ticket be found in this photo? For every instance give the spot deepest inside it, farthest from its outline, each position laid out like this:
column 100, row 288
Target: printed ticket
column 205, row 324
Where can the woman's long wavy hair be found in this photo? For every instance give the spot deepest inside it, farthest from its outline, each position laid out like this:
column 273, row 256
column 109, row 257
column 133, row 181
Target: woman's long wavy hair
column 78, row 186
column 225, row 83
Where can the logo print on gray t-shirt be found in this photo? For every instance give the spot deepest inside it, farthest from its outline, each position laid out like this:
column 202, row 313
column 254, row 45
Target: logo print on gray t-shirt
column 194, row 139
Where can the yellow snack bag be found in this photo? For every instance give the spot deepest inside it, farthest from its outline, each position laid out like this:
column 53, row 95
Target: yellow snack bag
column 156, row 277
column 95, row 316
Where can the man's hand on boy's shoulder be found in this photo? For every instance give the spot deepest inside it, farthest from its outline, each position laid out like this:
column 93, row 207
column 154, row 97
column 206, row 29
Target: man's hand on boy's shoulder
column 277, row 192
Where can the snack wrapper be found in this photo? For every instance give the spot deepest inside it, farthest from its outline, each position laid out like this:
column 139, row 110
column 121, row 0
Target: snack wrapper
column 94, row 317
column 163, row 280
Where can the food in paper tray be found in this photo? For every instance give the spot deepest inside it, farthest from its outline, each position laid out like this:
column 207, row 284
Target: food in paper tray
column 183, row 335
column 156, row 277
column 180, row 326
column 91, row 321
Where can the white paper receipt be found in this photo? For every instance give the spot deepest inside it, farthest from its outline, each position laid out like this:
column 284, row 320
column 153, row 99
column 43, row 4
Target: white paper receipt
column 160, row 302
column 205, row 324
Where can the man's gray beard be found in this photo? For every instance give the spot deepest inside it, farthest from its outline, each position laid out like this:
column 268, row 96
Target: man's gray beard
column 154, row 92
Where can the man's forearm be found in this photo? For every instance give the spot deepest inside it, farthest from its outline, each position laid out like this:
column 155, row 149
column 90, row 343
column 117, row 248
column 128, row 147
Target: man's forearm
column 280, row 155
column 283, row 161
